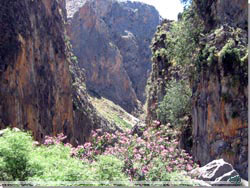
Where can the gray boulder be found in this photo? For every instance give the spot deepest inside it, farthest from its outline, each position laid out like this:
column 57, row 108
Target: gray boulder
column 217, row 172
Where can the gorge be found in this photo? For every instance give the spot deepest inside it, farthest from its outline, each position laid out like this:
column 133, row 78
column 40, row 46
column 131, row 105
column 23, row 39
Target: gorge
column 117, row 80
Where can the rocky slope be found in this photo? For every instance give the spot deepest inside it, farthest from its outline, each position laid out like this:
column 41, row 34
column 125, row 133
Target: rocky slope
column 219, row 82
column 110, row 40
column 35, row 79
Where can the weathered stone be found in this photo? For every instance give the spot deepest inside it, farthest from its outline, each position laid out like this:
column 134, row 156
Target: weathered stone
column 111, row 40
column 85, row 115
column 225, row 179
column 217, row 172
column 218, row 146
column 233, row 12
column 201, row 183
column 160, row 71
column 244, row 183
column 36, row 90
column 219, row 84
column 215, row 112
column 245, row 142
column 215, row 169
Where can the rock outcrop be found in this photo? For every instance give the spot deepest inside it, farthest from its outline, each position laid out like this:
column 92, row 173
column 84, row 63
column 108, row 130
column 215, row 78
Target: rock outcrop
column 217, row 172
column 160, row 74
column 111, row 41
column 36, row 91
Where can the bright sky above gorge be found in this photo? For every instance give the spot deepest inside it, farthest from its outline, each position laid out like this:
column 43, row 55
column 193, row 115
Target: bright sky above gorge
column 167, row 8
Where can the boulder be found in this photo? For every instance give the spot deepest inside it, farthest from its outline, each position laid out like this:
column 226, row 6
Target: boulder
column 217, row 172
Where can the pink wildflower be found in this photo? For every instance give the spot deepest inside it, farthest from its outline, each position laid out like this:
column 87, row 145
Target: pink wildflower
column 189, row 167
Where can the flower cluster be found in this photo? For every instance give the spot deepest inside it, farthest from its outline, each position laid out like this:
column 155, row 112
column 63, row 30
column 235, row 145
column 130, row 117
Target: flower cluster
column 54, row 140
column 158, row 143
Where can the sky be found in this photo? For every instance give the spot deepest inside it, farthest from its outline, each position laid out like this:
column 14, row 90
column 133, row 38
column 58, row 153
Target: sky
column 167, row 8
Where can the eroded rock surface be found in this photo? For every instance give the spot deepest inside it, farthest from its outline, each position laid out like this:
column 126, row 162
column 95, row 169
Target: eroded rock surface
column 34, row 74
column 220, row 95
column 219, row 83
column 111, row 40
column 217, row 172
column 38, row 89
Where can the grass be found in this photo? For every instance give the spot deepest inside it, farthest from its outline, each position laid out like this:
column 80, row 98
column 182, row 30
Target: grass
column 114, row 113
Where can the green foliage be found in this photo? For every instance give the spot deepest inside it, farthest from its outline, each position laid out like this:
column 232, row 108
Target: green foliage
column 176, row 102
column 109, row 168
column 15, row 149
column 74, row 58
column 56, row 164
column 229, row 50
column 160, row 172
column 21, row 161
column 183, row 38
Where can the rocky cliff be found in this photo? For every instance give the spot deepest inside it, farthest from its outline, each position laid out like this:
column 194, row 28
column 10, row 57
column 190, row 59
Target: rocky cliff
column 110, row 40
column 218, row 79
column 160, row 74
column 35, row 79
column 220, row 95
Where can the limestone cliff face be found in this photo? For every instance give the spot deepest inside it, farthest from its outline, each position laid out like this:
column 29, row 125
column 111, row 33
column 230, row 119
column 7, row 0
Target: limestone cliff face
column 220, row 94
column 85, row 115
column 34, row 75
column 36, row 91
column 220, row 87
column 111, row 42
column 220, row 100
column 232, row 12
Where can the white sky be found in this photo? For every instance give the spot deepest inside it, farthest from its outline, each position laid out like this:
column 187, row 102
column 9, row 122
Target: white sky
column 167, row 8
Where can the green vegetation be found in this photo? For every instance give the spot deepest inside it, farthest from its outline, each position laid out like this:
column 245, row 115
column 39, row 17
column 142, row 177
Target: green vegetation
column 15, row 155
column 20, row 160
column 101, row 161
column 121, row 123
column 113, row 112
column 109, row 168
column 176, row 102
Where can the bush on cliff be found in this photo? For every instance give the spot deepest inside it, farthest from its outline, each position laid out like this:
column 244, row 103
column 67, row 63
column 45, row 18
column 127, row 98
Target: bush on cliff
column 176, row 103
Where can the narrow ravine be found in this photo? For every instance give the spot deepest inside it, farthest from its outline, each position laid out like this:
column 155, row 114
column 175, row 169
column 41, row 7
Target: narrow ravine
column 109, row 93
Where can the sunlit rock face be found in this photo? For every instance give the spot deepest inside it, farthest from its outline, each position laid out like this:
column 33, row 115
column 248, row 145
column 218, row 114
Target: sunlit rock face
column 111, row 41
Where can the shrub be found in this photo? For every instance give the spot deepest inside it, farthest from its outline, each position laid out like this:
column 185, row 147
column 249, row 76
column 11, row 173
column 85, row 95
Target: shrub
column 160, row 171
column 176, row 102
column 15, row 149
column 109, row 168
column 56, row 164
column 139, row 153
column 108, row 157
